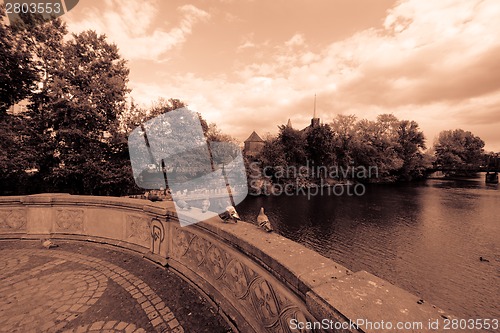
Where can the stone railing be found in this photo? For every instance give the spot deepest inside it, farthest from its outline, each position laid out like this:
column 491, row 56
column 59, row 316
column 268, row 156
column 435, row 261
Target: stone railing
column 261, row 282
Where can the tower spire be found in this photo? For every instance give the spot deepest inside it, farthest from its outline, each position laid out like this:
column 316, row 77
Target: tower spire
column 314, row 115
column 314, row 120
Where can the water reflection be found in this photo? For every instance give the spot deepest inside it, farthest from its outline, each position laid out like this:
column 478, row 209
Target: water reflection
column 425, row 238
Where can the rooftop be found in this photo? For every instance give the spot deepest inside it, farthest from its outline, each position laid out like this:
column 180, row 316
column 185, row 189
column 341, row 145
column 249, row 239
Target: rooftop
column 254, row 137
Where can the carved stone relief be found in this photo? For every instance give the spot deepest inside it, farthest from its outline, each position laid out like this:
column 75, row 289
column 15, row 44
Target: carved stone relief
column 270, row 306
column 13, row 220
column 69, row 220
column 157, row 235
column 138, row 228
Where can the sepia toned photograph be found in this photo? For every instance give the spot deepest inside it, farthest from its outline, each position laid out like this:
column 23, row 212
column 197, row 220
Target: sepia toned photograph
column 249, row 166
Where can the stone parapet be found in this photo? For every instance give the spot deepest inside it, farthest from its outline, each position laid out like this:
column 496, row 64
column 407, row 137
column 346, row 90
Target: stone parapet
column 261, row 281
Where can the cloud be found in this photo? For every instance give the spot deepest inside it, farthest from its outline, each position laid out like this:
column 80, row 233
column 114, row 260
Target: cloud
column 131, row 27
column 296, row 40
column 433, row 62
column 247, row 43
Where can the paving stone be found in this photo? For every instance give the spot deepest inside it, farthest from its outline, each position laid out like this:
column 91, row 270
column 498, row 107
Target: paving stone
column 121, row 325
column 153, row 315
column 81, row 329
column 157, row 321
column 173, row 323
column 108, row 325
column 68, row 290
column 130, row 328
column 97, row 326
column 160, row 306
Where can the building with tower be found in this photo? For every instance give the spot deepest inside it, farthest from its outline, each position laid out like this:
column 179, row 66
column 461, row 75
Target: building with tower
column 253, row 145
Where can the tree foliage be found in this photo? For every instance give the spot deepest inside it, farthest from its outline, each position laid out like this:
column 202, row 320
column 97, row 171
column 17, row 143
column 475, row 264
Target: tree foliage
column 410, row 143
column 17, row 79
column 319, row 145
column 394, row 147
column 294, row 145
column 273, row 153
column 71, row 129
column 458, row 150
column 17, row 76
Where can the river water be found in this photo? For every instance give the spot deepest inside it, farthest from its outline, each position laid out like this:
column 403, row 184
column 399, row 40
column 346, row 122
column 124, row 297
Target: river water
column 425, row 238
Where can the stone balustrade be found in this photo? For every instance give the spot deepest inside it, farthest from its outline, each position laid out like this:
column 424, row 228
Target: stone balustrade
column 261, row 282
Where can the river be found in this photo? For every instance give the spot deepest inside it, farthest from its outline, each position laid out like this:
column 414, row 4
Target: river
column 425, row 238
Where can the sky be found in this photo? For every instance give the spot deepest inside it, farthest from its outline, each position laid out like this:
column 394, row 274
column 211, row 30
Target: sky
column 253, row 64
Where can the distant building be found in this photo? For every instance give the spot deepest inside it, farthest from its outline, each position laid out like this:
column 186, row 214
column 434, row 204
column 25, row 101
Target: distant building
column 315, row 122
column 253, row 145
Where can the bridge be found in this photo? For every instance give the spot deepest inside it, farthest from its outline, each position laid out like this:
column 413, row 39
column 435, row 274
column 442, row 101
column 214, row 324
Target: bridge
column 260, row 282
column 473, row 170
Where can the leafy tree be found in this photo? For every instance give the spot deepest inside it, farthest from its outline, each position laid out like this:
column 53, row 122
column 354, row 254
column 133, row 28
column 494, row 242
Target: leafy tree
column 17, row 79
column 88, row 96
column 273, row 153
column 272, row 157
column 73, row 118
column 319, row 145
column 293, row 144
column 80, row 108
column 491, row 160
column 183, row 161
column 14, row 157
column 344, row 134
column 134, row 116
column 43, row 41
column 214, row 134
column 17, row 76
column 458, row 151
column 374, row 146
column 410, row 144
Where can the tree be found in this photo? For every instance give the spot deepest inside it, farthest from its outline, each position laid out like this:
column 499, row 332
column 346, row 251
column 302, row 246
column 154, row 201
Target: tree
column 73, row 116
column 293, row 145
column 214, row 134
column 85, row 100
column 183, row 153
column 14, row 158
column 134, row 116
column 458, row 151
column 375, row 146
column 319, row 145
column 273, row 153
column 272, row 158
column 43, row 41
column 410, row 145
column 344, row 134
column 17, row 76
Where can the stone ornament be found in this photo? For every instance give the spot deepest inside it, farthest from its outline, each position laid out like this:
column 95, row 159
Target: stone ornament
column 13, row 220
column 138, row 228
column 69, row 220
column 266, row 302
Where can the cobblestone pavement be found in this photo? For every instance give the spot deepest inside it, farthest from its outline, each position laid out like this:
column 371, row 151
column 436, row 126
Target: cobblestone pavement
column 84, row 287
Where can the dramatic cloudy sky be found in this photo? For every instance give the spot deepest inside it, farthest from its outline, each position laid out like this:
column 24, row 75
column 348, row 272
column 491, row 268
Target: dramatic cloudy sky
column 252, row 64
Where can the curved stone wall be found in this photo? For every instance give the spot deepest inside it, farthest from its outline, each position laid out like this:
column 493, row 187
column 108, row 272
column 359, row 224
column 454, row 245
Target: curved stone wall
column 262, row 282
